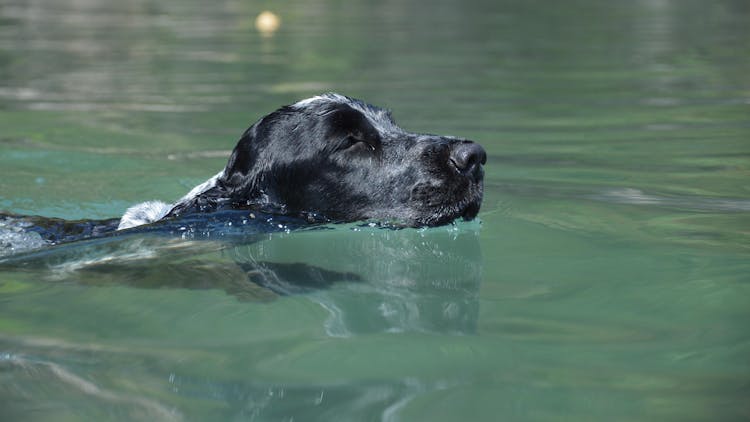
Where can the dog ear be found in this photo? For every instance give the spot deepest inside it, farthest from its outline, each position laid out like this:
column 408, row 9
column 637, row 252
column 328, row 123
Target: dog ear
column 242, row 158
column 235, row 183
column 238, row 179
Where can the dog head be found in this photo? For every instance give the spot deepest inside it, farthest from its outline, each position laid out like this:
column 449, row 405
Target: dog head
column 347, row 161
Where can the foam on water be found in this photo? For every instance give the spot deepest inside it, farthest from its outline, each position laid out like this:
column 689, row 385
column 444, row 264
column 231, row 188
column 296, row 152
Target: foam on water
column 15, row 238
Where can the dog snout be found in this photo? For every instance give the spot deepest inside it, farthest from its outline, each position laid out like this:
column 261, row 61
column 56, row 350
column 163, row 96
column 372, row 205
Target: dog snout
column 468, row 157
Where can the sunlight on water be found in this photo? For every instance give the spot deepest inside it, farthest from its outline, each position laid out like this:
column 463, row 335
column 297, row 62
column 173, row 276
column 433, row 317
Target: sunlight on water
column 607, row 278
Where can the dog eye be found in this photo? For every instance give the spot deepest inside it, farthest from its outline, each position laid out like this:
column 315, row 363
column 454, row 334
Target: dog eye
column 354, row 142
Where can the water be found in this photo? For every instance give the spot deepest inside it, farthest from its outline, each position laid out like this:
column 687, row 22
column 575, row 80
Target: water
column 607, row 280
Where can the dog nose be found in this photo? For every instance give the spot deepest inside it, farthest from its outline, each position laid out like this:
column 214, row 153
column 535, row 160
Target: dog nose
column 468, row 156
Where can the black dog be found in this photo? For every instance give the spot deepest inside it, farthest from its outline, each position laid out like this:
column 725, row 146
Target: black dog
column 343, row 159
column 331, row 156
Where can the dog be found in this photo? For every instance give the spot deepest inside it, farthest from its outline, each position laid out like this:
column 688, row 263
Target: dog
column 343, row 159
column 327, row 158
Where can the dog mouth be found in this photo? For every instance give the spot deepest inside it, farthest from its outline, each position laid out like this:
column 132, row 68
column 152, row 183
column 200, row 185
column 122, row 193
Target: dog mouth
column 470, row 211
column 466, row 208
column 465, row 212
column 443, row 203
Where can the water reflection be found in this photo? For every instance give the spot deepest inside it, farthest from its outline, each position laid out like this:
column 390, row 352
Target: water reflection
column 406, row 280
column 368, row 279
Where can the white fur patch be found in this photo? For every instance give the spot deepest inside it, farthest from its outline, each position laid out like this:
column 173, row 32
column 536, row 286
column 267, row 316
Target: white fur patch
column 378, row 117
column 323, row 97
column 143, row 213
column 150, row 211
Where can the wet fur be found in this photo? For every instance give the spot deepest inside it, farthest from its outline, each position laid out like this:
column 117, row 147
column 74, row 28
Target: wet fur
column 339, row 158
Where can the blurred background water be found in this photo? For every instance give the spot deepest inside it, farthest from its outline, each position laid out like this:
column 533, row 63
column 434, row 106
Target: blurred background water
column 607, row 280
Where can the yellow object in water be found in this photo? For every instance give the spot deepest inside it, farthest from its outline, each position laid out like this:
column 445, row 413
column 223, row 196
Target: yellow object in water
column 267, row 23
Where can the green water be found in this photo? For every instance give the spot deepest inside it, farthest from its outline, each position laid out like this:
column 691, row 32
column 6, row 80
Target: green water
column 609, row 278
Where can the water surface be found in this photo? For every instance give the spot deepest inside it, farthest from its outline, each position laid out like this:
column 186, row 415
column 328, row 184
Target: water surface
column 607, row 278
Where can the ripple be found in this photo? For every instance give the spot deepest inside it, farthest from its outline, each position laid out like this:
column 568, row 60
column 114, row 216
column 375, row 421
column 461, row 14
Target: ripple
column 633, row 196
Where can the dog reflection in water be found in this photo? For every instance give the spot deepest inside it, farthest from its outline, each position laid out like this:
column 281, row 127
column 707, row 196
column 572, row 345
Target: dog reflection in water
column 368, row 279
